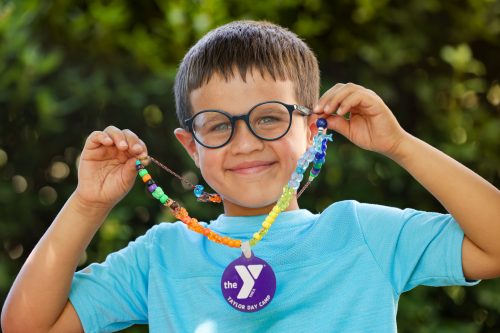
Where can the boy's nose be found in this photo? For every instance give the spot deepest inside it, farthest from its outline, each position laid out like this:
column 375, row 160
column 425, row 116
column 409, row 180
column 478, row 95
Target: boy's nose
column 243, row 140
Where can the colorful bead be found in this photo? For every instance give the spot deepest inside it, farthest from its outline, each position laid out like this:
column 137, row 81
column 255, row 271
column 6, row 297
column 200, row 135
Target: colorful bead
column 309, row 155
column 319, row 161
column 318, row 165
column 321, row 123
column 198, row 190
column 157, row 193
column 143, row 172
column 294, row 184
column 146, row 177
column 152, row 188
column 319, row 156
column 302, row 162
column 215, row 198
column 268, row 219
column 163, row 199
column 297, row 177
column 283, row 205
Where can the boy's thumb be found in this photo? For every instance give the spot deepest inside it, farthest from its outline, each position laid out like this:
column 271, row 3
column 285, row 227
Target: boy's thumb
column 130, row 169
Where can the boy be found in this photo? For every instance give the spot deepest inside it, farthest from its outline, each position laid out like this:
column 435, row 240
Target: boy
column 340, row 271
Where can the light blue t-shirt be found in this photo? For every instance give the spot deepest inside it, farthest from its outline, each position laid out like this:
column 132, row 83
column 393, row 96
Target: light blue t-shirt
column 339, row 271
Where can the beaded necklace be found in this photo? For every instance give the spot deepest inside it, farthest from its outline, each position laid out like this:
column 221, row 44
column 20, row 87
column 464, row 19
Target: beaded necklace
column 248, row 269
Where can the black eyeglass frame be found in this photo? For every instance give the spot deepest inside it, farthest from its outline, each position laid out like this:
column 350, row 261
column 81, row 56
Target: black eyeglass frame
column 304, row 111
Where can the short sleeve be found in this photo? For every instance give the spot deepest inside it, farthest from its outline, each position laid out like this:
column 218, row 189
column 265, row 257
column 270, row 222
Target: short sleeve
column 414, row 247
column 112, row 295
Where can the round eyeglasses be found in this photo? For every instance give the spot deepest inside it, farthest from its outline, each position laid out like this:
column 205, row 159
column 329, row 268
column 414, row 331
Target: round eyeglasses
column 267, row 121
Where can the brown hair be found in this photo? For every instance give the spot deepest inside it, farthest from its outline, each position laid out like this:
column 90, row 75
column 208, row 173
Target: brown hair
column 247, row 45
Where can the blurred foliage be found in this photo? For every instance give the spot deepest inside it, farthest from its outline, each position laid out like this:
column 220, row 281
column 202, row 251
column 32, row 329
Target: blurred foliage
column 69, row 67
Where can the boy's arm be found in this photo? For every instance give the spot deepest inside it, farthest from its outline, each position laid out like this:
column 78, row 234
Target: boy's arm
column 106, row 173
column 41, row 289
column 472, row 201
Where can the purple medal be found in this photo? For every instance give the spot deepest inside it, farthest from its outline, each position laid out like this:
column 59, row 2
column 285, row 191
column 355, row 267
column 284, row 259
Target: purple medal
column 248, row 284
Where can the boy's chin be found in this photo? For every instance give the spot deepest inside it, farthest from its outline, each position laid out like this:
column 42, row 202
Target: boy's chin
column 249, row 205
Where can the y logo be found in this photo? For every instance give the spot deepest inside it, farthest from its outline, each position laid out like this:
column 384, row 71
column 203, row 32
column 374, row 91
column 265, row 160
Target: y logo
column 248, row 284
column 248, row 274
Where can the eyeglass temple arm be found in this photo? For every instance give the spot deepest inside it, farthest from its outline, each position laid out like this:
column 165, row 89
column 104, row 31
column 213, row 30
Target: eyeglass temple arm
column 303, row 109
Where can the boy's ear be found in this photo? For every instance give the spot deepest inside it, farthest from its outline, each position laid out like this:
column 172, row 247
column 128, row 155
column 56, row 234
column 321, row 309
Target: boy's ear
column 187, row 141
column 312, row 128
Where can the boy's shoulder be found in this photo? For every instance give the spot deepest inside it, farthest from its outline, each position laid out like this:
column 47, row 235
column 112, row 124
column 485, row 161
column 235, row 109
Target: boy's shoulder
column 373, row 212
column 373, row 222
column 353, row 209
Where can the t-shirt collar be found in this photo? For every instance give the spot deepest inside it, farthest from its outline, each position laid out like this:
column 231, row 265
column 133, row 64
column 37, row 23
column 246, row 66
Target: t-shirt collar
column 230, row 224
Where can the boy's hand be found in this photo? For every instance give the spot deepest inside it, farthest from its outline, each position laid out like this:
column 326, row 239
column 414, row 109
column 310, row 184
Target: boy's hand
column 371, row 124
column 106, row 171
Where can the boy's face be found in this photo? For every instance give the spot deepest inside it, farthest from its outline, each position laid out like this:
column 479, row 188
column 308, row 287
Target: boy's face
column 248, row 173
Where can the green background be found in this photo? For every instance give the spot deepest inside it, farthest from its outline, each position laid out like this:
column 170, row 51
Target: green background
column 70, row 67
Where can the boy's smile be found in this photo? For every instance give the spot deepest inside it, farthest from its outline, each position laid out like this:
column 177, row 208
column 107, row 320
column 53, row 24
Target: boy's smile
column 249, row 173
column 252, row 167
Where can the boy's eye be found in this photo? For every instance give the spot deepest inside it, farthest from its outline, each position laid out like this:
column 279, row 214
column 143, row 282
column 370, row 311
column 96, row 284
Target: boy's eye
column 267, row 120
column 270, row 119
column 269, row 116
column 218, row 127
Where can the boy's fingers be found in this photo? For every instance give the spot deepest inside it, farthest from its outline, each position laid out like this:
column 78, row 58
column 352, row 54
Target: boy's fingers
column 334, row 102
column 117, row 136
column 132, row 140
column 136, row 145
column 361, row 101
column 326, row 97
column 341, row 100
column 333, row 97
column 349, row 102
column 125, row 140
column 144, row 155
column 97, row 139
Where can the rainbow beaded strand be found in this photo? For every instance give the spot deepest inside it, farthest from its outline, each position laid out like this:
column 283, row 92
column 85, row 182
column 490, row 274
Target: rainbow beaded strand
column 315, row 154
column 180, row 212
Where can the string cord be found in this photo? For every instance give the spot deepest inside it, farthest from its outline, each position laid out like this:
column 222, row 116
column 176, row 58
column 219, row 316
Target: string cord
column 184, row 180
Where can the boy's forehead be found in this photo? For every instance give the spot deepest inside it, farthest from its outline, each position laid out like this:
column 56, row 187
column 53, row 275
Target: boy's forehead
column 238, row 95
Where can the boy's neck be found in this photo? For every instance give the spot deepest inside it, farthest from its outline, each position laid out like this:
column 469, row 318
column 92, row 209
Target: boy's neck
column 232, row 209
